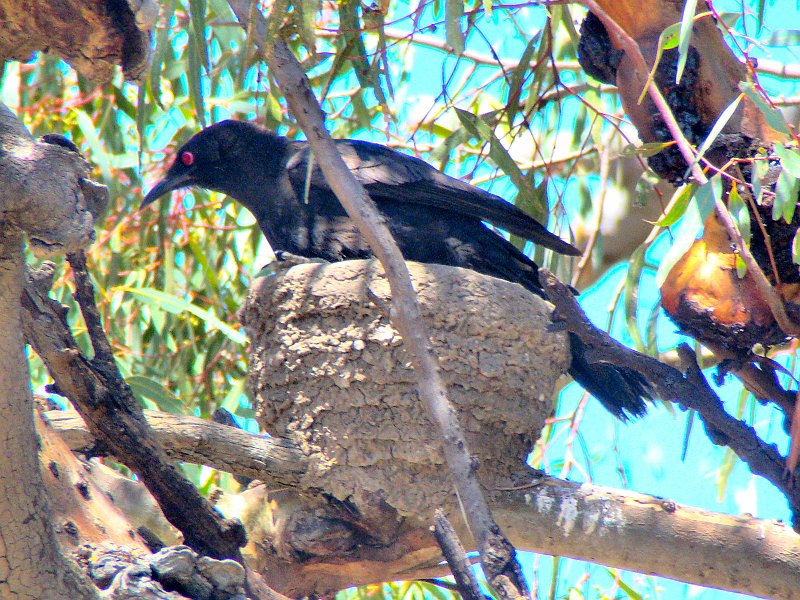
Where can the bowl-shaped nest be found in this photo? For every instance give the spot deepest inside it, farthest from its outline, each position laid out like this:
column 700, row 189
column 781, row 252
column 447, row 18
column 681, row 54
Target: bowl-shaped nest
column 329, row 371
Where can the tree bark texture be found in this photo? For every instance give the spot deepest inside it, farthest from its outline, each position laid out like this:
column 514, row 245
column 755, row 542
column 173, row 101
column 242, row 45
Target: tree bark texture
column 31, row 563
column 94, row 36
column 39, row 182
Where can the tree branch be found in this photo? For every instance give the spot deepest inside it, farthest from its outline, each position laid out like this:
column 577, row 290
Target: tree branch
column 197, row 441
column 456, row 558
column 624, row 41
column 550, row 516
column 115, row 418
column 688, row 390
column 37, row 181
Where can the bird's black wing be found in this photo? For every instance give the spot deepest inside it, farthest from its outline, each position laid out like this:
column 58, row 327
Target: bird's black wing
column 387, row 174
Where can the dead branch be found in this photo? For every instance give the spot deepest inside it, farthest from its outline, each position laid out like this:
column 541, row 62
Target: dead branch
column 688, row 390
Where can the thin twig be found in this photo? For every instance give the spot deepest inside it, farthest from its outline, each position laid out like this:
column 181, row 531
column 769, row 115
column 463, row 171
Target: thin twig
column 456, row 557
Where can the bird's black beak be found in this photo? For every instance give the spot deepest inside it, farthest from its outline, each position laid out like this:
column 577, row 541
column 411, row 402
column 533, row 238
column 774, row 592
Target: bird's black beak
column 166, row 185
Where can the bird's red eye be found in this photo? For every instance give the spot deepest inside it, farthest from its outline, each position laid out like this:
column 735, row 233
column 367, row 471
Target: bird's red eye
column 187, row 158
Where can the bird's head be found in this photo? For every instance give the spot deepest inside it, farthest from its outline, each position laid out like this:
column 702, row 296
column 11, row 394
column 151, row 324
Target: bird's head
column 212, row 159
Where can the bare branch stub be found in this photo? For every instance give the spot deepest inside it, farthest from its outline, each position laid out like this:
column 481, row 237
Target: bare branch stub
column 688, row 390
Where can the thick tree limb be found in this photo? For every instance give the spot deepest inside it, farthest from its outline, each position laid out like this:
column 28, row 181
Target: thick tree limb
column 37, row 181
column 497, row 555
column 550, row 516
column 194, row 440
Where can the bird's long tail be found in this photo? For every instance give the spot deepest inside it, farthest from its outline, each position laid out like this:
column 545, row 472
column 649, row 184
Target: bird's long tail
column 622, row 391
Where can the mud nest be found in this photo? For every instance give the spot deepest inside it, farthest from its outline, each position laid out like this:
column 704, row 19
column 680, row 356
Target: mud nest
column 329, row 372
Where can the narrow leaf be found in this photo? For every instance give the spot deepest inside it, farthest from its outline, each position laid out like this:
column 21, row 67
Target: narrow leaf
column 719, row 125
column 796, row 248
column 790, row 159
column 480, row 129
column 147, row 389
column 178, row 306
column 783, row 38
column 635, row 266
column 740, row 214
column 685, row 36
column 517, row 78
column 773, row 116
column 785, row 197
column 691, row 225
column 677, row 205
column 645, row 150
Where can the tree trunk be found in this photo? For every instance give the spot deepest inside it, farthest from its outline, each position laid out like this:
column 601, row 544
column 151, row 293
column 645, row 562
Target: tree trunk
column 31, row 563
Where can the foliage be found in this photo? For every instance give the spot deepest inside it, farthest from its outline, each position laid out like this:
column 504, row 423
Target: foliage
column 514, row 113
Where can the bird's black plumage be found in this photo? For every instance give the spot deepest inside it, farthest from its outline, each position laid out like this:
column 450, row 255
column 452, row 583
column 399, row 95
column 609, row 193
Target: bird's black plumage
column 434, row 218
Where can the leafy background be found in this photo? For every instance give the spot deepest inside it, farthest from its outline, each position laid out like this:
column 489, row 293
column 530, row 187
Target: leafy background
column 514, row 114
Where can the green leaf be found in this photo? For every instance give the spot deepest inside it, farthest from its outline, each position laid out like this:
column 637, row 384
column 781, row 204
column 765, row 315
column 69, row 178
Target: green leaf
column 760, row 169
column 783, row 38
column 691, row 226
column 790, row 159
column 194, row 76
column 785, row 197
column 307, row 13
column 645, row 186
column 629, row 591
column 773, row 116
column 635, row 266
column 678, row 203
column 480, row 129
column 762, row 9
column 729, row 461
column 356, row 51
column 99, row 155
column 197, row 10
column 667, row 39
column 740, row 214
column 159, row 53
column 145, row 388
column 645, row 150
column 177, row 306
column 517, row 77
column 741, row 267
column 719, row 125
column 685, row 36
column 796, row 248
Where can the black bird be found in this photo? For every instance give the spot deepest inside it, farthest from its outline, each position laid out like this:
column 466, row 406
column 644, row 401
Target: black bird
column 434, row 219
